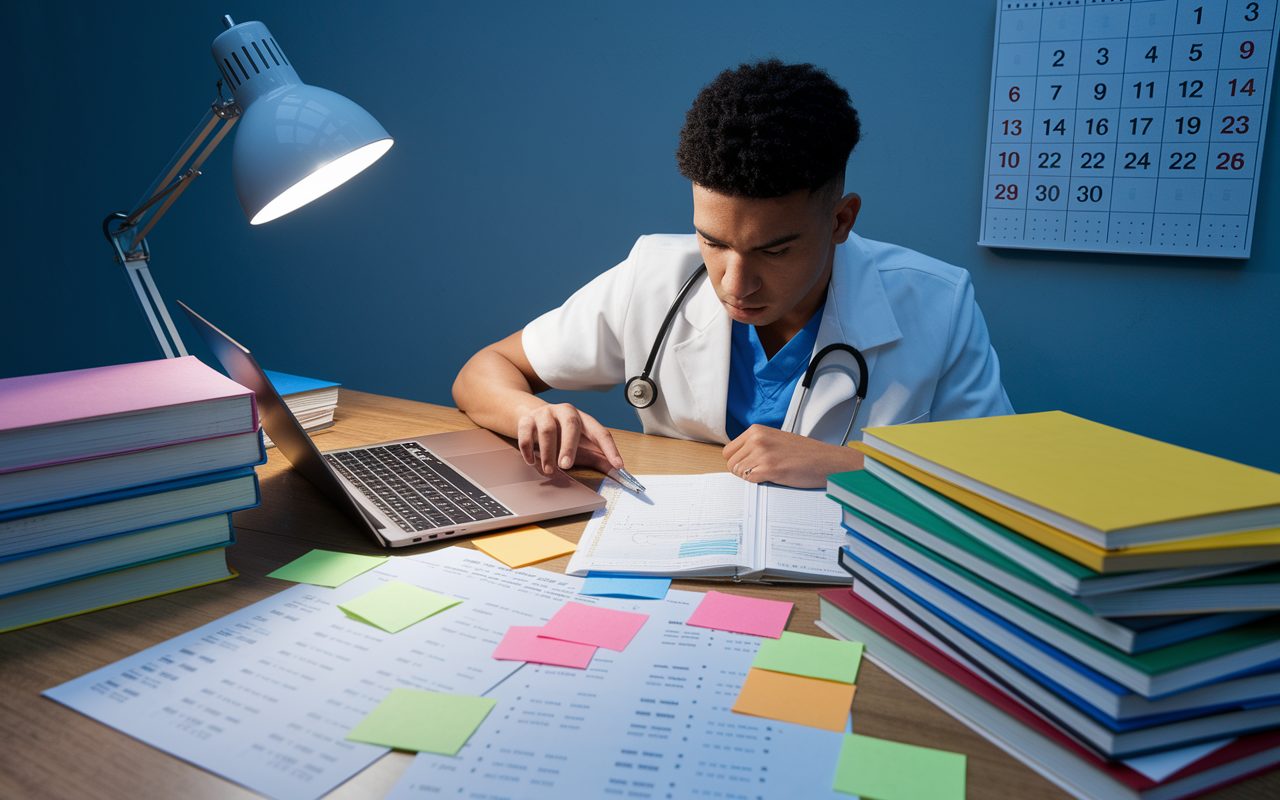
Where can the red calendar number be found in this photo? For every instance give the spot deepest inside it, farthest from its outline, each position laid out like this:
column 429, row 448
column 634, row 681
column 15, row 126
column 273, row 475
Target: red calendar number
column 1006, row 191
column 1245, row 88
column 1230, row 161
column 1235, row 125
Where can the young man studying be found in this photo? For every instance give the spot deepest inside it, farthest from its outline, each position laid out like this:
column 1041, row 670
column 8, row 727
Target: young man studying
column 765, row 147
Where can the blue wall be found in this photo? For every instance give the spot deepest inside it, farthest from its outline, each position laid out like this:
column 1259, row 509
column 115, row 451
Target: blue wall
column 533, row 144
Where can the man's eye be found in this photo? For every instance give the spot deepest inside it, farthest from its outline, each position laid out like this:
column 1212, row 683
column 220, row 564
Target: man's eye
column 775, row 252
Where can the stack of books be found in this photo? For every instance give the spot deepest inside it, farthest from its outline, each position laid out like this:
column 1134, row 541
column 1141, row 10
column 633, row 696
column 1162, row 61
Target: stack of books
column 1098, row 604
column 312, row 401
column 117, row 483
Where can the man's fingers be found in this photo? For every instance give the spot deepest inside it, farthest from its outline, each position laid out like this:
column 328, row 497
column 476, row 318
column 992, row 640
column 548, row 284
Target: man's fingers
column 570, row 432
column 548, row 434
column 525, row 433
column 603, row 440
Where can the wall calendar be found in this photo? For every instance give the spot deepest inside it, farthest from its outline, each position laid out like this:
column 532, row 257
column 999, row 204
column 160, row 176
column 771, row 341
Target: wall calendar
column 1128, row 126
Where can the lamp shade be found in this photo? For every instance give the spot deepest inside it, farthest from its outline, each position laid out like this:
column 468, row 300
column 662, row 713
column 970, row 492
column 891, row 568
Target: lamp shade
column 295, row 142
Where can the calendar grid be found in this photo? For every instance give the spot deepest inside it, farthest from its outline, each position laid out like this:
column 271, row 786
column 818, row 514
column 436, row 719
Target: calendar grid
column 1128, row 126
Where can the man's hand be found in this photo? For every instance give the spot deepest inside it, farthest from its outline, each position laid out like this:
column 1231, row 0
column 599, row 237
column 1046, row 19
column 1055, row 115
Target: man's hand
column 563, row 433
column 764, row 454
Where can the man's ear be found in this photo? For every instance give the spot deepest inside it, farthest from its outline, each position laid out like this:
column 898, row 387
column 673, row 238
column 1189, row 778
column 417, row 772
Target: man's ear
column 846, row 213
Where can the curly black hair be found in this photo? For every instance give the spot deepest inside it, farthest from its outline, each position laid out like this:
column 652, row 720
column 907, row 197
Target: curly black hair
column 768, row 129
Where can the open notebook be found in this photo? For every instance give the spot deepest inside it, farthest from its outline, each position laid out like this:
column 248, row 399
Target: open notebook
column 714, row 525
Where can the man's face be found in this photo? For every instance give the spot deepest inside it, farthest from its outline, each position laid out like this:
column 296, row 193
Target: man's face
column 770, row 260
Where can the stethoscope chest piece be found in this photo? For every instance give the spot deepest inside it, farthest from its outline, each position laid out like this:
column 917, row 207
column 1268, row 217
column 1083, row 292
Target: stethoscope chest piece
column 641, row 391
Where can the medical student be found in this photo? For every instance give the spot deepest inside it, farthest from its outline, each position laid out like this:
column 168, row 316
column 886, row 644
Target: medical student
column 765, row 146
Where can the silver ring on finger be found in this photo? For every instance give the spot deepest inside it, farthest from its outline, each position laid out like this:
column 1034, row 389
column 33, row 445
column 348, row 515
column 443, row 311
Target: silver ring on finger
column 747, row 471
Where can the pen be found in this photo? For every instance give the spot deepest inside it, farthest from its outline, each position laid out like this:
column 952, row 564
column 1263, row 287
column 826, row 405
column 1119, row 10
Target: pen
column 626, row 479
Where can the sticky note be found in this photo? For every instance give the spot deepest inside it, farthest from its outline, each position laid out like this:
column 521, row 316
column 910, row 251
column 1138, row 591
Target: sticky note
column 522, row 643
column 877, row 769
column 729, row 612
column 602, row 627
column 524, row 546
column 396, row 605
column 603, row 584
column 810, row 656
column 326, row 568
column 425, row 722
column 792, row 698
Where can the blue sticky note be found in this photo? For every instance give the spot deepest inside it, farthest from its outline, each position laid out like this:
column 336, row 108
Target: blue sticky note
column 603, row 584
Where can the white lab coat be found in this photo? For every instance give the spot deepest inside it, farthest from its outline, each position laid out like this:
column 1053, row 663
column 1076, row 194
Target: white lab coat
column 914, row 319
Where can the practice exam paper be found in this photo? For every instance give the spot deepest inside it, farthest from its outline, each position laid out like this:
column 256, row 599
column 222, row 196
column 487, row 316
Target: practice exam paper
column 264, row 696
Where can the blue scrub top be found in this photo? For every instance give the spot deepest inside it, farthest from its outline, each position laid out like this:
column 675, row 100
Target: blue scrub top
column 760, row 387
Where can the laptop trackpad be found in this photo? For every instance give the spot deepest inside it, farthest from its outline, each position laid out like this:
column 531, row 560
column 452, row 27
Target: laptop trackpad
column 502, row 467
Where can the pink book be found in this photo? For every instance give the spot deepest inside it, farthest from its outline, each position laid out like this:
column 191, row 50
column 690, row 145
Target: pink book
column 89, row 413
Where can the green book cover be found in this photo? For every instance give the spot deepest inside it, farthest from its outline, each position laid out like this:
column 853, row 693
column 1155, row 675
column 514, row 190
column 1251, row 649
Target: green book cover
column 860, row 481
column 1152, row 662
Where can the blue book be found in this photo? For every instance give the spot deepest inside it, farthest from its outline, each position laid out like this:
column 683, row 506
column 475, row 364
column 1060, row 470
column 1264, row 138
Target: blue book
column 27, row 572
column 286, row 384
column 126, row 471
column 82, row 519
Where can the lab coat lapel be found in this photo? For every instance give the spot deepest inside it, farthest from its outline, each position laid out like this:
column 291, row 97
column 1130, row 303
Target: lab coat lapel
column 701, row 381
column 857, row 312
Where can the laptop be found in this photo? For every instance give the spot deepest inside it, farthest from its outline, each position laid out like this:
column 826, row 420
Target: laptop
column 409, row 491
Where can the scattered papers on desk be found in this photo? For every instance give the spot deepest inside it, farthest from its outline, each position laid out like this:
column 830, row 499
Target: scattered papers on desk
column 749, row 615
column 877, row 769
column 285, row 679
column 713, row 525
column 522, row 643
column 427, row 722
column 602, row 627
column 326, row 568
column 396, row 605
column 634, row 723
column 793, row 698
column 811, row 657
column 524, row 546
column 603, row 584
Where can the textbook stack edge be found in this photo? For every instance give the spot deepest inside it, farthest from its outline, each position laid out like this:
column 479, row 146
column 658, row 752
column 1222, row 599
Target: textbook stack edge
column 117, row 483
column 1101, row 605
column 313, row 402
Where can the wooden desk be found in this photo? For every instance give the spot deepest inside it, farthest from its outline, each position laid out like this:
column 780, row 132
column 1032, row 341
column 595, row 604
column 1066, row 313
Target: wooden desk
column 49, row 751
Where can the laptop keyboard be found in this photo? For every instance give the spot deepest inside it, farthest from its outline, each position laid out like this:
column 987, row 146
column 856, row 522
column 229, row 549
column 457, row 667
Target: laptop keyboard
column 414, row 488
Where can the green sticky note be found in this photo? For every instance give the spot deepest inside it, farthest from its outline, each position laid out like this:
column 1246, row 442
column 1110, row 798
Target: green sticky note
column 876, row 769
column 396, row 605
column 425, row 722
column 326, row 568
column 811, row 657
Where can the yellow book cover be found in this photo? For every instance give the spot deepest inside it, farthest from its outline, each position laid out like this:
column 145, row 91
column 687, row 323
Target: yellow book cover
column 1233, row 548
column 1100, row 483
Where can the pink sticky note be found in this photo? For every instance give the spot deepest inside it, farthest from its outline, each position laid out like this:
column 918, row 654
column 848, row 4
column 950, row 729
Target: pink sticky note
column 522, row 644
column 603, row 627
column 729, row 612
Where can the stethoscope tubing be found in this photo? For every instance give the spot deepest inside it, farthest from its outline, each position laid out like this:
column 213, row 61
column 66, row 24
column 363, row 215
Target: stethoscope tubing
column 642, row 390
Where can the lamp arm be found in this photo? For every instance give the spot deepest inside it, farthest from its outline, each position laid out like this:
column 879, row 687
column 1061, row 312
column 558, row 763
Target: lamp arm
column 130, row 249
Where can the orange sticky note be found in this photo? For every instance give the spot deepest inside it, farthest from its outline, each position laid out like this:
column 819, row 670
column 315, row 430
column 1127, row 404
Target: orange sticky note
column 524, row 546
column 793, row 698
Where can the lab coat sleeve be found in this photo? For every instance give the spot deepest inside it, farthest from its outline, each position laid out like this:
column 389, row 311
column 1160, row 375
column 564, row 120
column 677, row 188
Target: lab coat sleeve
column 579, row 345
column 969, row 385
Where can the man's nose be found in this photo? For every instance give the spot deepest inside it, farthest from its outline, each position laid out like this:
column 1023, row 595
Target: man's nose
column 738, row 281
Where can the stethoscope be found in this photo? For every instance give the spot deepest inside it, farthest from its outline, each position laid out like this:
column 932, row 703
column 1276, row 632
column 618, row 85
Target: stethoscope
column 641, row 391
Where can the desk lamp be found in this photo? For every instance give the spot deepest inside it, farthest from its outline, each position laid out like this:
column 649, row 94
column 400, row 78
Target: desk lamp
column 296, row 142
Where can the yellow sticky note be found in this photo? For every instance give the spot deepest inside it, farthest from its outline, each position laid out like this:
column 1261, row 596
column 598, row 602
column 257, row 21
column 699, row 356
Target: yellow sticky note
column 396, row 605
column 793, row 698
column 524, row 546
